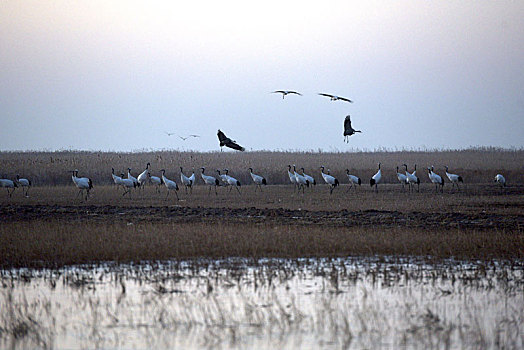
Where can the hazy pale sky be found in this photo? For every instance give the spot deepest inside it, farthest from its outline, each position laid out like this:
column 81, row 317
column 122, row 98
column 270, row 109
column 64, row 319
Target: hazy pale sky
column 118, row 75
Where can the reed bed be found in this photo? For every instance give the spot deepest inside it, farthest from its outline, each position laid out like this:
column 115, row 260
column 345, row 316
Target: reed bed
column 478, row 165
column 56, row 243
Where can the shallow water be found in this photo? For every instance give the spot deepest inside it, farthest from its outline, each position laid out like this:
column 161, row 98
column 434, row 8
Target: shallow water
column 269, row 303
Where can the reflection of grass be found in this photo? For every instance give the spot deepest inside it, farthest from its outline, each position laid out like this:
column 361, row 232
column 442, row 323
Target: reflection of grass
column 366, row 303
column 55, row 243
column 20, row 320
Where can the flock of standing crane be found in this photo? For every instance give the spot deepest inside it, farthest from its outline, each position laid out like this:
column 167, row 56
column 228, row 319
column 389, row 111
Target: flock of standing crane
column 300, row 180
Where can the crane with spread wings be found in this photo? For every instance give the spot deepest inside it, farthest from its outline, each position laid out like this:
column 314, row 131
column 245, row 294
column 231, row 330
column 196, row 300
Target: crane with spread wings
column 348, row 129
column 226, row 141
column 336, row 98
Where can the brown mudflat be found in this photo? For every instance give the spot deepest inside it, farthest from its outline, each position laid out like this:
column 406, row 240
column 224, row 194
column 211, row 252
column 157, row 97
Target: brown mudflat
column 479, row 207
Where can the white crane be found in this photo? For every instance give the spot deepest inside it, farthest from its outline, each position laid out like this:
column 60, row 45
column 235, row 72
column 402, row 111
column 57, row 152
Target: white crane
column 157, row 181
column 127, row 184
column 210, row 181
column 403, row 179
column 375, row 179
column 501, row 180
column 117, row 179
column 131, row 177
column 336, row 98
column 25, row 183
column 7, row 184
column 310, row 179
column 257, row 179
column 301, row 181
column 187, row 181
column 232, row 182
column 436, row 179
column 82, row 183
column 170, row 185
column 330, row 180
column 223, row 178
column 412, row 178
column 142, row 178
column 286, row 92
column 292, row 178
column 353, row 180
column 454, row 178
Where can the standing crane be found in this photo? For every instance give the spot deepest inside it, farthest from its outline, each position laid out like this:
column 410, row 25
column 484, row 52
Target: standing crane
column 309, row 178
column 302, row 182
column 501, row 180
column 7, row 184
column 353, row 180
column 187, row 181
column 157, row 181
column 142, row 178
column 127, row 184
column 292, row 178
column 436, row 179
column 131, row 177
column 412, row 178
column 375, row 179
column 82, row 183
column 117, row 179
column 403, row 179
column 454, row 178
column 257, row 179
column 25, row 183
column 210, row 181
column 330, row 180
column 232, row 182
column 170, row 185
column 223, row 178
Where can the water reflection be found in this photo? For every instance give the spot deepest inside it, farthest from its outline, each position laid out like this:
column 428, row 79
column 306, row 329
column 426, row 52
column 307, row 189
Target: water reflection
column 269, row 303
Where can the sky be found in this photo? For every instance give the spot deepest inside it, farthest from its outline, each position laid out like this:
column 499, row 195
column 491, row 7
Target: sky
column 120, row 75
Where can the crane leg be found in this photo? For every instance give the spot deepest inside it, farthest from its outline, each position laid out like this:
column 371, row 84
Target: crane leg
column 238, row 190
column 177, row 198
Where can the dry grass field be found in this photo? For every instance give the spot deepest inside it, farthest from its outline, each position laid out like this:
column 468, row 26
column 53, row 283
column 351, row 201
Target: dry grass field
column 51, row 168
column 55, row 227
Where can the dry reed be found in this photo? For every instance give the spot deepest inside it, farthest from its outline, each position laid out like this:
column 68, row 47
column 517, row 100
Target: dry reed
column 55, row 243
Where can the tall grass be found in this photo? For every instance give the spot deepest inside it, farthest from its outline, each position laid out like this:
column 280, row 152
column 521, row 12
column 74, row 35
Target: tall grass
column 57, row 243
column 477, row 165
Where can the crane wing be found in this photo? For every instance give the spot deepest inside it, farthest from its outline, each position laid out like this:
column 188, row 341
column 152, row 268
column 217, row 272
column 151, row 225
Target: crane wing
column 234, row 145
column 327, row 95
column 221, row 136
column 345, row 99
